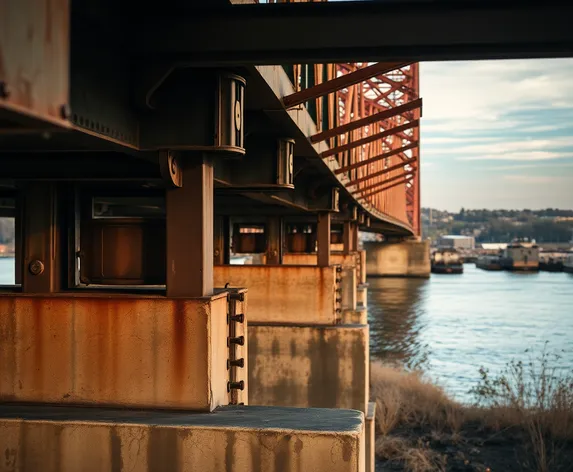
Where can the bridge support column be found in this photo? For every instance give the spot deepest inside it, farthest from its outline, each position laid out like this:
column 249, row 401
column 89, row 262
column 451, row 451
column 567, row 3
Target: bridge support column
column 308, row 339
column 190, row 232
column 398, row 259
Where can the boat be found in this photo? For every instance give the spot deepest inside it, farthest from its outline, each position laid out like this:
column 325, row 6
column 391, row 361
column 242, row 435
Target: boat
column 568, row 264
column 489, row 262
column 551, row 262
column 447, row 261
column 521, row 256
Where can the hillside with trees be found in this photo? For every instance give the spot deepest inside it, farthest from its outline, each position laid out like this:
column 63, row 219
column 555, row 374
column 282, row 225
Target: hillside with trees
column 544, row 226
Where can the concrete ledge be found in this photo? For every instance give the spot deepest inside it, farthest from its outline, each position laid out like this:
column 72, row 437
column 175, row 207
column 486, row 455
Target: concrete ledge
column 345, row 260
column 285, row 294
column 370, row 433
column 358, row 316
column 114, row 350
column 309, row 366
column 64, row 439
column 362, row 295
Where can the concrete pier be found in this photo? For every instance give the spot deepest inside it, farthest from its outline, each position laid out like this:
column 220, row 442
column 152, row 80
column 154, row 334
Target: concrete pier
column 241, row 439
column 398, row 259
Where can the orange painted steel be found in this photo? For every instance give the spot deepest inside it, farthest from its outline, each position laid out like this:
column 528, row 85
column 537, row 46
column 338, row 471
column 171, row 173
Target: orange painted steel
column 365, row 119
column 372, row 130
column 401, row 199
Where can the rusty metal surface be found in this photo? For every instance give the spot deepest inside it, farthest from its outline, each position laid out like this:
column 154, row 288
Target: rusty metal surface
column 34, row 59
column 285, row 294
column 147, row 352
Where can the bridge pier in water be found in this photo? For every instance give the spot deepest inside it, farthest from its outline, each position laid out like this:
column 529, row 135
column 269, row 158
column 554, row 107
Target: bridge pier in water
column 406, row 258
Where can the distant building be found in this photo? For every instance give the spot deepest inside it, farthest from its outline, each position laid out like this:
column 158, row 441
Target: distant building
column 457, row 242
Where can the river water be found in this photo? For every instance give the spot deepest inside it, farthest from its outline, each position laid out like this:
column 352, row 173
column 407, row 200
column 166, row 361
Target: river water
column 450, row 325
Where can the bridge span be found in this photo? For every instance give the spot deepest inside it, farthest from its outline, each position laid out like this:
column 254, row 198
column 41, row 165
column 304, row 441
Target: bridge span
column 145, row 151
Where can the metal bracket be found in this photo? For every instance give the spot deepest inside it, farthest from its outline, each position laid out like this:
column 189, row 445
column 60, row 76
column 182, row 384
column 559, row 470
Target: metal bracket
column 170, row 168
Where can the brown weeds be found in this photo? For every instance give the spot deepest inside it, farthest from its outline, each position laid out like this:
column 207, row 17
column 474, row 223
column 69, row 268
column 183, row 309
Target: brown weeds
column 532, row 401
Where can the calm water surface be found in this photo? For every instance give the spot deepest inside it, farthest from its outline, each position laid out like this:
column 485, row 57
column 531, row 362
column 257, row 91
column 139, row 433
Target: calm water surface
column 450, row 325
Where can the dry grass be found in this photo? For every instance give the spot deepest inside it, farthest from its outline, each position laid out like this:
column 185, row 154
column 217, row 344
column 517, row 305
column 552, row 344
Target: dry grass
column 416, row 458
column 406, row 398
column 532, row 400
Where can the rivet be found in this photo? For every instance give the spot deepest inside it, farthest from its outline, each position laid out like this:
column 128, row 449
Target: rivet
column 36, row 267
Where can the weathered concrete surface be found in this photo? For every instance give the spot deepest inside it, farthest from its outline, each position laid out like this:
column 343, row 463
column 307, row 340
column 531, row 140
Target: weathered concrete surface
column 285, row 294
column 362, row 267
column 358, row 316
column 258, row 439
column 401, row 259
column 348, row 288
column 370, row 433
column 309, row 366
column 114, row 350
column 362, row 295
column 345, row 260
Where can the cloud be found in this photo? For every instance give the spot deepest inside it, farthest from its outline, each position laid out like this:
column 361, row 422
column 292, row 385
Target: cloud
column 532, row 179
column 487, row 119
column 531, row 166
column 518, row 156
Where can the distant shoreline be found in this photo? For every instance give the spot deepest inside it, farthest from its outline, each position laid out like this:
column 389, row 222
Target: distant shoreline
column 8, row 256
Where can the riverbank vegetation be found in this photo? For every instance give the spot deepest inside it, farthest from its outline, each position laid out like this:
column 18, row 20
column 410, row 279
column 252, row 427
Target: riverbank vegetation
column 521, row 420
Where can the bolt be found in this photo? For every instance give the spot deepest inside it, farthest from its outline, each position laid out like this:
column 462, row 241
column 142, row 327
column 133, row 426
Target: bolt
column 238, row 340
column 235, row 363
column 238, row 318
column 36, row 267
column 65, row 112
column 238, row 296
column 235, row 385
column 4, row 90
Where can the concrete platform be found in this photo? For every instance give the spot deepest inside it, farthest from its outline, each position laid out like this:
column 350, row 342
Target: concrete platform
column 257, row 439
column 309, row 366
column 370, row 432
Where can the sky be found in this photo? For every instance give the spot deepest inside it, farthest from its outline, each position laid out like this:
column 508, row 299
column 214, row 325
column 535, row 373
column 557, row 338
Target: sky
column 497, row 134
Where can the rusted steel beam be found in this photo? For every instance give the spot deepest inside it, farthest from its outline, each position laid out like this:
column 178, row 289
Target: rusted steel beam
column 382, row 115
column 369, row 139
column 341, row 82
column 386, row 182
column 395, row 184
column 385, row 155
column 382, row 172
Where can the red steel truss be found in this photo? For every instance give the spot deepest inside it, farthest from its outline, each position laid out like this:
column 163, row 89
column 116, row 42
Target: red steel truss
column 371, row 127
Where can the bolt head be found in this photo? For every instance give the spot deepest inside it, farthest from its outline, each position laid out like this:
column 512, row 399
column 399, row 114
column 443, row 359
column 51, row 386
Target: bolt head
column 36, row 267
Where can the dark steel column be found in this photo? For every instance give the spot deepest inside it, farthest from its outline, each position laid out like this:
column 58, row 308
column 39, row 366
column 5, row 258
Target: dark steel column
column 273, row 229
column 347, row 237
column 190, row 231
column 323, row 236
column 354, row 237
column 40, row 271
column 221, row 251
